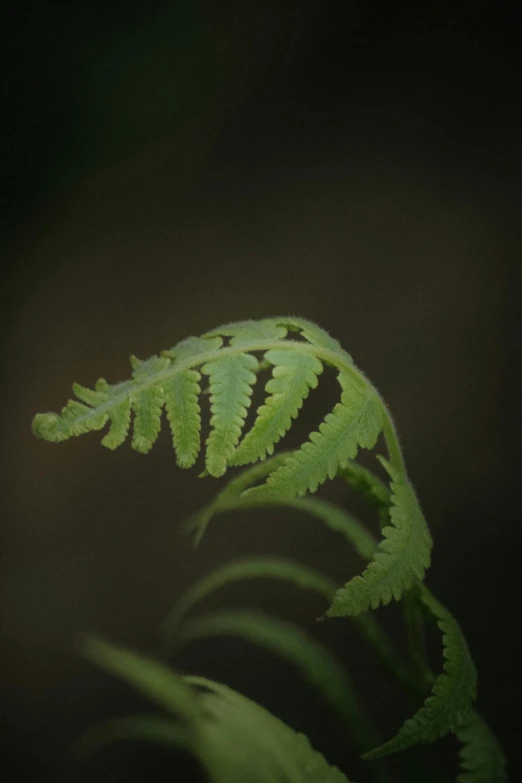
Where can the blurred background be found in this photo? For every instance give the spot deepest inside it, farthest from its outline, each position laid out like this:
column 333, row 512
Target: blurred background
column 170, row 166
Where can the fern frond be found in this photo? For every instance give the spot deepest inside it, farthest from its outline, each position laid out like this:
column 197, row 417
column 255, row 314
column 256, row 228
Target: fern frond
column 251, row 568
column 231, row 356
column 293, row 375
column 231, row 381
column 333, row 517
column 75, row 419
column 184, row 415
column 90, row 396
column 453, row 692
column 120, row 418
column 232, row 737
column 355, row 421
column 147, row 404
column 287, row 641
column 401, row 557
column 256, row 746
column 301, row 576
column 481, row 756
column 119, row 415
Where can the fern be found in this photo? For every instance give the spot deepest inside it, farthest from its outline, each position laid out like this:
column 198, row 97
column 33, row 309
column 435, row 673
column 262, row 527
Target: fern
column 481, row 756
column 294, row 374
column 231, row 381
column 233, row 738
column 452, row 691
column 452, row 694
column 173, row 380
column 401, row 558
column 334, row 518
column 288, row 754
column 255, row 746
column 355, row 421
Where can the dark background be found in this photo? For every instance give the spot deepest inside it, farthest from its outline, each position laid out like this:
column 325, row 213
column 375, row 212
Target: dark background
column 168, row 167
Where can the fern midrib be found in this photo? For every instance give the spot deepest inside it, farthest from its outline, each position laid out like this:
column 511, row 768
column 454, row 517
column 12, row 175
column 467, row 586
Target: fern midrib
column 120, row 390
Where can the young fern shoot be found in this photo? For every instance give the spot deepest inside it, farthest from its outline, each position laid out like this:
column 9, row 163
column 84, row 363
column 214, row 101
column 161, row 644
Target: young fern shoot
column 296, row 351
column 229, row 357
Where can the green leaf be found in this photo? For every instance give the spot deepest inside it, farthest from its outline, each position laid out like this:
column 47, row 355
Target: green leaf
column 251, row 568
column 173, row 379
column 481, row 756
column 244, row 742
column 231, row 380
column 355, row 421
column 232, row 737
column 147, row 404
column 75, row 419
column 120, row 418
column 90, row 396
column 147, row 407
column 400, row 559
column 294, row 374
column 154, row 382
column 333, row 517
column 119, row 415
column 453, row 692
column 184, row 414
column 317, row 666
